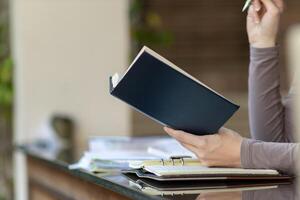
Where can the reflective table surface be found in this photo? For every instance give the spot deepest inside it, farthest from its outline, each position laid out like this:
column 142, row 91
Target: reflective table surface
column 136, row 188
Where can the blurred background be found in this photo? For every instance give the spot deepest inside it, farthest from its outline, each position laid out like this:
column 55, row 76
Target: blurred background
column 56, row 57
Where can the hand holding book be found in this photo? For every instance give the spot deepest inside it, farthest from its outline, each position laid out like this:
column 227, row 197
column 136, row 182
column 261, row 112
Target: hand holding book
column 222, row 149
column 170, row 96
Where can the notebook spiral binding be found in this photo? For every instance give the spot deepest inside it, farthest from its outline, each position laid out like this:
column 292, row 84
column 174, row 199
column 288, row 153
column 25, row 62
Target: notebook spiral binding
column 173, row 158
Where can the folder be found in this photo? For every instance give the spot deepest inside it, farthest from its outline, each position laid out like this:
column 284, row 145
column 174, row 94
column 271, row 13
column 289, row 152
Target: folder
column 153, row 187
column 184, row 169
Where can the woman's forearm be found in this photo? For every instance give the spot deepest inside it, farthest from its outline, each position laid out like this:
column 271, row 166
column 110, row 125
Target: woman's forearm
column 266, row 111
column 269, row 155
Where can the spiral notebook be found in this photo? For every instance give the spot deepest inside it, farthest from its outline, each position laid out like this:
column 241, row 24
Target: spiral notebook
column 184, row 168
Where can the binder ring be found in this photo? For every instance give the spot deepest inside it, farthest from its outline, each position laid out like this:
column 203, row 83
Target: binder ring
column 181, row 158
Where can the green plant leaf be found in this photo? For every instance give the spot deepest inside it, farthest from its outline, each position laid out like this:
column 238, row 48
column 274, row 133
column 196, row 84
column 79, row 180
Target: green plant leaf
column 135, row 9
column 6, row 79
column 147, row 27
column 153, row 20
column 6, row 71
column 150, row 37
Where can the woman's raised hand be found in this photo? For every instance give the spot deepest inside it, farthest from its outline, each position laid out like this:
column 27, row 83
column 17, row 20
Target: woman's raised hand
column 263, row 22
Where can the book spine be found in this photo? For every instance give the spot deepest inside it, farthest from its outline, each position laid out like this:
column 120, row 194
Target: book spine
column 111, row 88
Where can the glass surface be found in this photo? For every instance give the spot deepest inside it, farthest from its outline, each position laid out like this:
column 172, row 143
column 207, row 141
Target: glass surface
column 135, row 187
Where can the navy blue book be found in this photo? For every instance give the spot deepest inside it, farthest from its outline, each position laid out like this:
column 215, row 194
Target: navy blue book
column 165, row 93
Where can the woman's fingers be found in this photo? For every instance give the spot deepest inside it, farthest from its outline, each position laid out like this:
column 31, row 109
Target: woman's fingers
column 192, row 148
column 257, row 5
column 250, row 16
column 253, row 15
column 184, row 137
column 279, row 4
column 269, row 5
column 199, row 153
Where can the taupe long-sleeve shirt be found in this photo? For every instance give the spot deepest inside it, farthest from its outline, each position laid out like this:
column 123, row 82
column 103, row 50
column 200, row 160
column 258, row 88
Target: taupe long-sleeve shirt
column 270, row 117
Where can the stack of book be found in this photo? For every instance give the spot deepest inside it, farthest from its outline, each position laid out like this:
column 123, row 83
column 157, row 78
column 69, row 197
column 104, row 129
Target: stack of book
column 169, row 162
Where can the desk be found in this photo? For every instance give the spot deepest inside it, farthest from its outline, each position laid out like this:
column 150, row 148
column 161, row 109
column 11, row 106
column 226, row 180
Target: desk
column 50, row 179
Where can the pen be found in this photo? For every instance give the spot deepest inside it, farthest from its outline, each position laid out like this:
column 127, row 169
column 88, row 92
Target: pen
column 247, row 4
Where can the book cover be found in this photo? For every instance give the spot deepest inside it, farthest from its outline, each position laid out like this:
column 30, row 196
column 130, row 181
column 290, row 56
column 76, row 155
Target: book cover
column 167, row 94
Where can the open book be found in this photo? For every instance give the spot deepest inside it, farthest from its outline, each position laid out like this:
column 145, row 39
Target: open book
column 165, row 93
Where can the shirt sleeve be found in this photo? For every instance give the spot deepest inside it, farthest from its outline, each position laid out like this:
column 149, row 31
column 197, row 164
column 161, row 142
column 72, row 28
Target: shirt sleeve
column 266, row 110
column 269, row 155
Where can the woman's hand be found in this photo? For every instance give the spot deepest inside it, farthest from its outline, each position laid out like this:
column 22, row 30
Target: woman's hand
column 263, row 22
column 221, row 149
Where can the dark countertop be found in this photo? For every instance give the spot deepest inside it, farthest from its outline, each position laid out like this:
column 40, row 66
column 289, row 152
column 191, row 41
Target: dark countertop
column 127, row 186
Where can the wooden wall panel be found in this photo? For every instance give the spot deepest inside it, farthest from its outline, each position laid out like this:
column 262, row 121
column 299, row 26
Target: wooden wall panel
column 209, row 37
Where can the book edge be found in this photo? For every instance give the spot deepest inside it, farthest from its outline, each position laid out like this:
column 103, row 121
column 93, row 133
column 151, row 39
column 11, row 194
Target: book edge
column 154, row 54
column 178, row 69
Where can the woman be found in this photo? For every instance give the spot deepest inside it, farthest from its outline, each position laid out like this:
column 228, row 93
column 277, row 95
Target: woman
column 270, row 119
